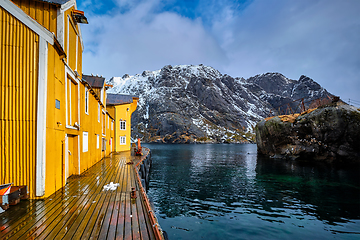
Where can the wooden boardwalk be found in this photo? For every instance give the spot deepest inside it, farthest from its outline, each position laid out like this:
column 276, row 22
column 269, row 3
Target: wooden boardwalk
column 84, row 210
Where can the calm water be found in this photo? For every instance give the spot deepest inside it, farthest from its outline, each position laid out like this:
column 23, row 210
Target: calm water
column 228, row 192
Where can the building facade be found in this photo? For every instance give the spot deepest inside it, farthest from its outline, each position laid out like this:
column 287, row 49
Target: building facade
column 121, row 107
column 53, row 121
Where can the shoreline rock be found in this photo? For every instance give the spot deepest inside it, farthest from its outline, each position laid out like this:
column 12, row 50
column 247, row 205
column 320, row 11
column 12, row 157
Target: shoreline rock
column 330, row 133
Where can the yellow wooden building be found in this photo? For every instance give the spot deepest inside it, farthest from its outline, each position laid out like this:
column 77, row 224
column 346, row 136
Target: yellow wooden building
column 122, row 107
column 53, row 122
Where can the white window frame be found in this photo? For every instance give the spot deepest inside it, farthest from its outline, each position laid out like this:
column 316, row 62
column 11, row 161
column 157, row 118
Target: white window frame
column 122, row 140
column 97, row 141
column 86, row 101
column 112, row 124
column 122, row 125
column 85, row 141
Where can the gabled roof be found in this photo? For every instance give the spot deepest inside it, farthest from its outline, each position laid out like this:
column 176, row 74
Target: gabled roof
column 57, row 2
column 119, row 99
column 94, row 81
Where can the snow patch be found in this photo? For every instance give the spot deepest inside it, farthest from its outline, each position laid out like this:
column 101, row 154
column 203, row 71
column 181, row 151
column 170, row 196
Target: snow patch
column 111, row 186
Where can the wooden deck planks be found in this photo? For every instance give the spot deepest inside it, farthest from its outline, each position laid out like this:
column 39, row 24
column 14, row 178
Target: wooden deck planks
column 121, row 218
column 142, row 224
column 16, row 224
column 83, row 210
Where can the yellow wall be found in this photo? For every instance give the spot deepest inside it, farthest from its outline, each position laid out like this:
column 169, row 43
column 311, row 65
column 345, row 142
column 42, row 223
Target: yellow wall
column 43, row 12
column 55, row 124
column 123, row 113
column 18, row 94
column 19, row 61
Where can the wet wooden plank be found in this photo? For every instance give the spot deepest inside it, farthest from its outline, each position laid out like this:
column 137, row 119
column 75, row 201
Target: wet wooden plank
column 38, row 224
column 121, row 218
column 75, row 219
column 108, row 230
column 120, row 179
column 96, row 218
column 142, row 224
column 44, row 222
column 134, row 212
column 13, row 218
column 79, row 224
column 105, row 210
column 125, row 181
column 105, row 225
column 127, row 227
column 30, row 225
column 82, row 210
column 55, row 226
column 64, row 217
column 134, row 220
column 18, row 219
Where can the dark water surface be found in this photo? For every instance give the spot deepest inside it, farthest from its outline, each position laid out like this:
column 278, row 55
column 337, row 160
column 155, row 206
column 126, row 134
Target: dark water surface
column 224, row 191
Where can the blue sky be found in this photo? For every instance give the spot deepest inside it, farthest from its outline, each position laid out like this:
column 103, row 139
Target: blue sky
column 316, row 38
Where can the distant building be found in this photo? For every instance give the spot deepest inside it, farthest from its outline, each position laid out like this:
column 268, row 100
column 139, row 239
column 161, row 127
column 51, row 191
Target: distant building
column 122, row 107
column 54, row 121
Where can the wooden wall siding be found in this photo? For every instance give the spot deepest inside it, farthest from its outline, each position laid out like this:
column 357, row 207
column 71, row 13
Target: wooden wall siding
column 18, row 89
column 71, row 54
column 44, row 13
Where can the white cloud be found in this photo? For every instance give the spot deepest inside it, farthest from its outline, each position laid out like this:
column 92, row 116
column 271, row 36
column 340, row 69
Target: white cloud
column 317, row 38
column 143, row 40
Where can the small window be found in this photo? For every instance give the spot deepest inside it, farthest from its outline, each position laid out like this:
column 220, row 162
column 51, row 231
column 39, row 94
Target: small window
column 97, row 141
column 112, row 125
column 103, row 146
column 122, row 125
column 122, row 140
column 103, row 123
column 98, row 112
column 85, row 141
column 86, row 101
column 57, row 104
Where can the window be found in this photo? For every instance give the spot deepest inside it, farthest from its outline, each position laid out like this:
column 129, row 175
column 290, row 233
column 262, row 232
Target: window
column 97, row 141
column 112, row 125
column 69, row 102
column 122, row 125
column 98, row 112
column 86, row 101
column 72, row 102
column 57, row 104
column 85, row 141
column 103, row 123
column 122, row 140
column 103, row 146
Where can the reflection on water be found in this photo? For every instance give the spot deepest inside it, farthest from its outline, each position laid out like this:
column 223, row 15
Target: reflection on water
column 228, row 192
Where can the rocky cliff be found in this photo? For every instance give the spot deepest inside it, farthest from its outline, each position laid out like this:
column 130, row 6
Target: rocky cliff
column 187, row 103
column 329, row 133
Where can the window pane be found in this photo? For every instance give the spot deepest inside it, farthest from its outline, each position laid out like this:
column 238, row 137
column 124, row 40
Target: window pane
column 85, row 142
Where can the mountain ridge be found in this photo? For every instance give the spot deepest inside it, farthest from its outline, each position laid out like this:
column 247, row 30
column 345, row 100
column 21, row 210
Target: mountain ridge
column 197, row 103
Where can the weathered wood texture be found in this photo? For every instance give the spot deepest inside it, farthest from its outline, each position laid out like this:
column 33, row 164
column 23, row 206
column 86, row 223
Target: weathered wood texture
column 83, row 209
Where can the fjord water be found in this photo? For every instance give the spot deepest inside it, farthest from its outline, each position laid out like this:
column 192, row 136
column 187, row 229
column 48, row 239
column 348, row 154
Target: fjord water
column 226, row 191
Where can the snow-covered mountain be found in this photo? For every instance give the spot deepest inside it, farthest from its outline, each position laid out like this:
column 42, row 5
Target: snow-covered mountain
column 188, row 103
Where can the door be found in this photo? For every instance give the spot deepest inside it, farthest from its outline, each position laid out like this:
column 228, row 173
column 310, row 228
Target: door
column 70, row 155
column 72, row 166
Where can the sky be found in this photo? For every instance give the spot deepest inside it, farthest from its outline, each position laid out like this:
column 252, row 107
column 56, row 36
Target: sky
column 241, row 38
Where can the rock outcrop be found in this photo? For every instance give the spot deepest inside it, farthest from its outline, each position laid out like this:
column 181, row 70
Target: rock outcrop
column 329, row 133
